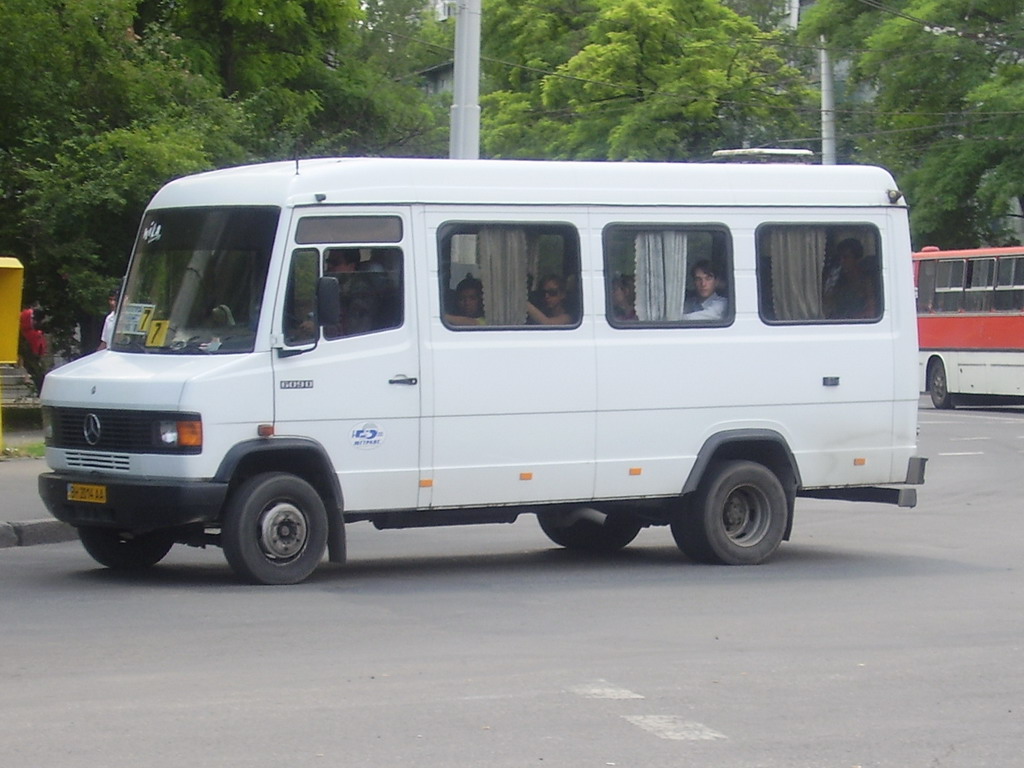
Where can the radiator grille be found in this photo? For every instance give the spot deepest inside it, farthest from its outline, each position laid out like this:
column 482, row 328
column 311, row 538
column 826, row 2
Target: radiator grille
column 118, row 462
column 103, row 432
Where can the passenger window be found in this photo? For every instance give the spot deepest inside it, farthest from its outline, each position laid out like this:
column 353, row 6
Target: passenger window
column 813, row 273
column 667, row 276
column 503, row 275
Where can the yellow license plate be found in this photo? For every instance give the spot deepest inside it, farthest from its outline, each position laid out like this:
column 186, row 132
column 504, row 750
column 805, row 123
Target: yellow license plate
column 91, row 494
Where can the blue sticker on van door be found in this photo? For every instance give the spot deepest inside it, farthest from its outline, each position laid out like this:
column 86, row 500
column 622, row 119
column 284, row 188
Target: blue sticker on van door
column 367, row 435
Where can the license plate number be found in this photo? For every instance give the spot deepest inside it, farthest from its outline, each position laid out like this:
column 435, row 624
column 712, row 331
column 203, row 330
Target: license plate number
column 91, row 494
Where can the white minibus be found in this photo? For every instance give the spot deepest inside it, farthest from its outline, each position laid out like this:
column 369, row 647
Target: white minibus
column 409, row 342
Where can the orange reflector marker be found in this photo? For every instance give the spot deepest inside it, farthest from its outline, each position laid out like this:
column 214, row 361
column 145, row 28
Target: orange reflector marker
column 859, row 462
column 265, row 430
column 526, row 475
column 426, row 482
column 634, row 471
column 190, row 433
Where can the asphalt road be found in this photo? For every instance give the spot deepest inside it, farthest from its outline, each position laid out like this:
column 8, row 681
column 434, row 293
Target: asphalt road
column 876, row 637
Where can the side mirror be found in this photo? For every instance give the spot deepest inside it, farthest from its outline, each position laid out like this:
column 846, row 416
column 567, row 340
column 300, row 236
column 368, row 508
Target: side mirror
column 328, row 301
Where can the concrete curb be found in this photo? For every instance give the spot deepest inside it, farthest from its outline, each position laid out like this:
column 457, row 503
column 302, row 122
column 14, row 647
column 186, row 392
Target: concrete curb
column 28, row 533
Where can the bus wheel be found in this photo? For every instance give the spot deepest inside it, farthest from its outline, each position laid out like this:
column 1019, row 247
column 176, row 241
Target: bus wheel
column 274, row 529
column 937, row 386
column 112, row 549
column 569, row 529
column 738, row 515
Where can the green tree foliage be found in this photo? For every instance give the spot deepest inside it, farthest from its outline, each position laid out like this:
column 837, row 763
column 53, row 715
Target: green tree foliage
column 945, row 81
column 106, row 100
column 314, row 76
column 94, row 119
column 633, row 80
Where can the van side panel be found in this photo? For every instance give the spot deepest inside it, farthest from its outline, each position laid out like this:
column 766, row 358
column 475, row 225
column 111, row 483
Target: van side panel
column 512, row 409
column 826, row 388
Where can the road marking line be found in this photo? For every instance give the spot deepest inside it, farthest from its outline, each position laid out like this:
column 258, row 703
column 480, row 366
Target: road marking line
column 964, row 453
column 602, row 689
column 674, row 728
column 966, row 439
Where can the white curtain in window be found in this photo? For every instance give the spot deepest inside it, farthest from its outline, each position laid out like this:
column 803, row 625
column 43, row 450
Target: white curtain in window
column 504, row 261
column 798, row 260
column 660, row 275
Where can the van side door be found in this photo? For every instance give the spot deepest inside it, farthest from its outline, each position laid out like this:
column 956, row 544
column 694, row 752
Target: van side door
column 352, row 383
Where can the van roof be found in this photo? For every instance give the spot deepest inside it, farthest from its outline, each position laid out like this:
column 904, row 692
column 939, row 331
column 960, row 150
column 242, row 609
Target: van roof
column 524, row 182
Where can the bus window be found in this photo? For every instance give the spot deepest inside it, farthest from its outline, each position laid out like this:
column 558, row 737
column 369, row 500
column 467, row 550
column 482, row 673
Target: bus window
column 980, row 283
column 926, row 287
column 949, row 285
column 1009, row 292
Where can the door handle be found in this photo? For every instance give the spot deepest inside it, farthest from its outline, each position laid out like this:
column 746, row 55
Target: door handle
column 402, row 379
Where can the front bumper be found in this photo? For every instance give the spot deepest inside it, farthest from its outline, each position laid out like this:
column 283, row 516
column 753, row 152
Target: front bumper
column 136, row 505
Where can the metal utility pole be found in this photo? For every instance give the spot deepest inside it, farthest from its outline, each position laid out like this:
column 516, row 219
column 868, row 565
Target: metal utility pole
column 465, row 114
column 828, row 109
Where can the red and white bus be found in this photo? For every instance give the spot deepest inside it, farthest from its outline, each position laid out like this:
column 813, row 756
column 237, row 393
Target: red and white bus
column 970, row 309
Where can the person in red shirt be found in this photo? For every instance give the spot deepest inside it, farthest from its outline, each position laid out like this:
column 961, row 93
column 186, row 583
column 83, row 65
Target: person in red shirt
column 32, row 345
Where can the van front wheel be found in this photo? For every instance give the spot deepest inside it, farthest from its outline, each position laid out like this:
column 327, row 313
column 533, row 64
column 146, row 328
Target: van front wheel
column 738, row 515
column 274, row 529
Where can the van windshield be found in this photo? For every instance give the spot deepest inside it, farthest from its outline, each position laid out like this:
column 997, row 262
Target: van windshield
column 196, row 281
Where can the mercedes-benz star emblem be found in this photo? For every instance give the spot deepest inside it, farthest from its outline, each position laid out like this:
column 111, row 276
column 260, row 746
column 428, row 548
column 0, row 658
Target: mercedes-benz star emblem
column 91, row 428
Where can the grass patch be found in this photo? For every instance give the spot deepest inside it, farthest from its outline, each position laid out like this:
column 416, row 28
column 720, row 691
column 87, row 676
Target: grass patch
column 28, row 451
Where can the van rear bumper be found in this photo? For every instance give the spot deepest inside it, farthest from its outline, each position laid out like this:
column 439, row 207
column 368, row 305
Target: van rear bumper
column 901, row 497
column 137, row 505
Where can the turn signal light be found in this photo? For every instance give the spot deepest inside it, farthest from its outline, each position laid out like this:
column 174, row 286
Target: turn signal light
column 181, row 434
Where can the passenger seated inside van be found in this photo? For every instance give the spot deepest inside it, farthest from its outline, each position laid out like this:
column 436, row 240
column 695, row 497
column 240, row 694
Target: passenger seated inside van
column 553, row 309
column 623, row 299
column 341, row 260
column 469, row 303
column 706, row 303
column 852, row 292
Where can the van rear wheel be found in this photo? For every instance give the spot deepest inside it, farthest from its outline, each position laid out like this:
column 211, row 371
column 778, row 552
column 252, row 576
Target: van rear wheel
column 573, row 530
column 738, row 516
column 274, row 529
column 121, row 552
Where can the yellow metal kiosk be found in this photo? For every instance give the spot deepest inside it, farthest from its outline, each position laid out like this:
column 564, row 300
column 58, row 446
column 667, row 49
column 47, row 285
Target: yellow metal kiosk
column 11, row 278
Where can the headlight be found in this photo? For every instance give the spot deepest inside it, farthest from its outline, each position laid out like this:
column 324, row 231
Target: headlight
column 47, row 414
column 181, row 433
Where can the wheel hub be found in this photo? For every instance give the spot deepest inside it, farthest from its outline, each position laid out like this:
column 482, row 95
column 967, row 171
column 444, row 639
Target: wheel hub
column 745, row 517
column 283, row 531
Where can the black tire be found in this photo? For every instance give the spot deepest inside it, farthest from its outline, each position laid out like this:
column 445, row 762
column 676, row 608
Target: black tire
column 274, row 529
column 738, row 516
column 938, row 387
column 121, row 552
column 567, row 529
